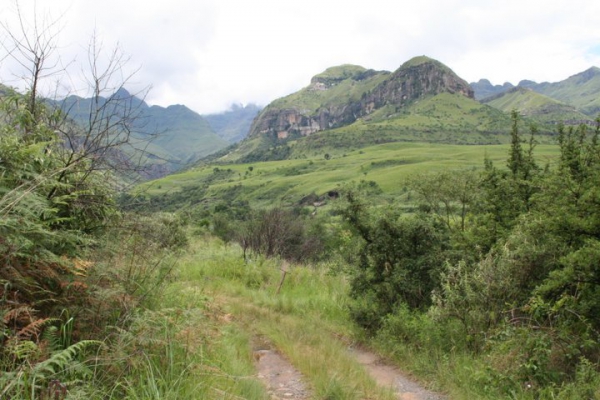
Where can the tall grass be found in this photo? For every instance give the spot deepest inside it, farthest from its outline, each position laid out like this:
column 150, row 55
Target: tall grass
column 306, row 321
column 197, row 339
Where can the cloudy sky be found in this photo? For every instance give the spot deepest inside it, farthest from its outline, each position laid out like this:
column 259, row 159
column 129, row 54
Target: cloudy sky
column 208, row 54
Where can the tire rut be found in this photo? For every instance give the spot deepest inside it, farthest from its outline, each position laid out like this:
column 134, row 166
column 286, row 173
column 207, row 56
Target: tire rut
column 388, row 376
column 284, row 381
column 281, row 379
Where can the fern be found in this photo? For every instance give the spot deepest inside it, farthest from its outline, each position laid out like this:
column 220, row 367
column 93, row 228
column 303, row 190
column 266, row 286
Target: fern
column 60, row 360
column 14, row 314
column 30, row 381
column 33, row 330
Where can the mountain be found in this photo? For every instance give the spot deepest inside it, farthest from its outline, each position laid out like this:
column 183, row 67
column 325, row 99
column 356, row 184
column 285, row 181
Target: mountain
column 233, row 125
column 581, row 90
column 349, row 106
column 341, row 95
column 326, row 103
column 172, row 137
column 484, row 88
column 535, row 106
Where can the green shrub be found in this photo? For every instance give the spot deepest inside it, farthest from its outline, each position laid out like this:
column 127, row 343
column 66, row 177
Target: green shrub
column 399, row 263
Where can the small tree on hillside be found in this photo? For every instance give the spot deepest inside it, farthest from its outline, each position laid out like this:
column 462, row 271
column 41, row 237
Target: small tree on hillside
column 399, row 261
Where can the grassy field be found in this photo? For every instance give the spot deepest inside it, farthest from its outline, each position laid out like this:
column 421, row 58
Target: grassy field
column 287, row 181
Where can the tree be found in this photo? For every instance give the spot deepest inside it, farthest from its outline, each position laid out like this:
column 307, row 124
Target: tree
column 109, row 129
column 447, row 195
column 570, row 208
column 279, row 232
column 506, row 194
column 399, row 261
column 33, row 47
column 56, row 178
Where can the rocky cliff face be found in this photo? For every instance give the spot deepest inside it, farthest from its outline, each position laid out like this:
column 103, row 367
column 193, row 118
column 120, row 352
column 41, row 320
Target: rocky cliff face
column 281, row 123
column 415, row 79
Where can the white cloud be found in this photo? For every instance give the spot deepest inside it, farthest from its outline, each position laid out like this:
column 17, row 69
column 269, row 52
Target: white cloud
column 207, row 54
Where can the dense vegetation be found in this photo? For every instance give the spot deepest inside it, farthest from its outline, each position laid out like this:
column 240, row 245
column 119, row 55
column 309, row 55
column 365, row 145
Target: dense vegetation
column 504, row 264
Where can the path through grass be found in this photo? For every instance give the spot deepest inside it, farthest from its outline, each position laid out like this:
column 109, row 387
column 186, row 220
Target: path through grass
column 306, row 322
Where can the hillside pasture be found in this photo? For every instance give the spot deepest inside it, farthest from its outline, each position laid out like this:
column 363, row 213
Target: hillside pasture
column 288, row 181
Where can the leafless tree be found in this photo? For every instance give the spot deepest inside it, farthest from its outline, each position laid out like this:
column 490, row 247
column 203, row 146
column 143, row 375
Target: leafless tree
column 278, row 232
column 33, row 47
column 104, row 133
column 107, row 122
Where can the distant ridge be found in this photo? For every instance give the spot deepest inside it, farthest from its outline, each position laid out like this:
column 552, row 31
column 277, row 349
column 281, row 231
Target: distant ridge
column 173, row 136
column 234, row 124
column 536, row 106
column 581, row 91
column 484, row 88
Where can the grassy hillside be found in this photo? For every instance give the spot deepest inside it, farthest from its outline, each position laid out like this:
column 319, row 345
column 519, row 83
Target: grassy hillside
column 182, row 132
column 288, row 181
column 444, row 118
column 581, row 90
column 343, row 84
column 534, row 105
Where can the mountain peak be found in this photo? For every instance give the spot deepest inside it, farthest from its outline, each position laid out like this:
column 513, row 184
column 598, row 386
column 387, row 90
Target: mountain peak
column 427, row 77
column 343, row 71
column 587, row 75
column 415, row 61
column 334, row 75
column 122, row 93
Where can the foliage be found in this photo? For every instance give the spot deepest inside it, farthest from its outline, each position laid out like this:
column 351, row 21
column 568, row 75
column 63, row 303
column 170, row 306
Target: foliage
column 446, row 195
column 44, row 216
column 511, row 265
column 57, row 183
column 399, row 262
column 571, row 288
column 278, row 232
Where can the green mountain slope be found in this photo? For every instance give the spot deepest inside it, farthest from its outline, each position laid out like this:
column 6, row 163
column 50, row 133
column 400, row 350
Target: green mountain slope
column 444, row 118
column 581, row 90
column 173, row 136
column 182, row 132
column 535, row 106
column 334, row 87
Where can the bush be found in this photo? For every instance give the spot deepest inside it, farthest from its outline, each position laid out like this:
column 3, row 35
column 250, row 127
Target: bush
column 399, row 262
column 278, row 232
